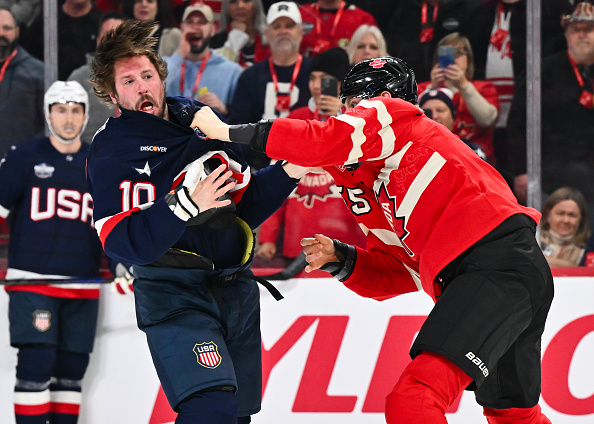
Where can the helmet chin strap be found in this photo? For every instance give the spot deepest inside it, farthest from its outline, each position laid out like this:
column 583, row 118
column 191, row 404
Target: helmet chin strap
column 63, row 140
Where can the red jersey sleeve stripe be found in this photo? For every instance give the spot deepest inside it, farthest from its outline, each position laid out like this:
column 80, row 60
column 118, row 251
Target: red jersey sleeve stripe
column 105, row 225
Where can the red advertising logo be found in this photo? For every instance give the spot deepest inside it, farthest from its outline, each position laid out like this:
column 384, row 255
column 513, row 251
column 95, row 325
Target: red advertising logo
column 312, row 394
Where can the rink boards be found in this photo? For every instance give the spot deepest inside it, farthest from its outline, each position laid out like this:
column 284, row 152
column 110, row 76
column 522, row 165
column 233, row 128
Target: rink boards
column 329, row 357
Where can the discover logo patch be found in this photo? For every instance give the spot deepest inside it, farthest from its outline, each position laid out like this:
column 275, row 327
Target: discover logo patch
column 153, row 149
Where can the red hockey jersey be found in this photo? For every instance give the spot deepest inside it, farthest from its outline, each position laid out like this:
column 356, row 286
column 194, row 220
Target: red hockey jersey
column 314, row 207
column 421, row 194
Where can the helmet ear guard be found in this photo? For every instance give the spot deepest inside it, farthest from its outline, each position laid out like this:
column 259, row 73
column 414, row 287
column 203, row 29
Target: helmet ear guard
column 371, row 77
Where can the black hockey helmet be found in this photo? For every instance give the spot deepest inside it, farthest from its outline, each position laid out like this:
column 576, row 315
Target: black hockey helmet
column 370, row 77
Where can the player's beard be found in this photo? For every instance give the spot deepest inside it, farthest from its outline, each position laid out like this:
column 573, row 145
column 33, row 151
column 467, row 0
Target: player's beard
column 161, row 113
column 7, row 47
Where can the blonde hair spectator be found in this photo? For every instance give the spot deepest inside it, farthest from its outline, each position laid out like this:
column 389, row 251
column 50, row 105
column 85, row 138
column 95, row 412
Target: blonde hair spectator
column 366, row 42
column 457, row 39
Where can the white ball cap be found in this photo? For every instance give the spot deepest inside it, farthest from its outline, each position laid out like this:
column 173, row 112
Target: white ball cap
column 284, row 8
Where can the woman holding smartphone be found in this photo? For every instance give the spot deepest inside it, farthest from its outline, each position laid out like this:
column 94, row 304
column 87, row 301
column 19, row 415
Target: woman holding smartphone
column 477, row 102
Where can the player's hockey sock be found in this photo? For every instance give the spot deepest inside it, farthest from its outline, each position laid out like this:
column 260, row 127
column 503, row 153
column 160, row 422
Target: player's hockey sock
column 427, row 387
column 65, row 389
column 211, row 407
column 516, row 416
column 31, row 391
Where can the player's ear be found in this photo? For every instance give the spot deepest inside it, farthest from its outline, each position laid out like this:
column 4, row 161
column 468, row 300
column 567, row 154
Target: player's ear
column 385, row 94
column 113, row 99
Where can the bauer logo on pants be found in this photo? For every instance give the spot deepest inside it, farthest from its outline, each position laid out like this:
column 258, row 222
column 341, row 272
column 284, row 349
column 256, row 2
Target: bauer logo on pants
column 42, row 320
column 207, row 354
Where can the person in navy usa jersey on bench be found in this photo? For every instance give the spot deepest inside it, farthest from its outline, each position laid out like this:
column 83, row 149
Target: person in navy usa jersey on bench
column 44, row 195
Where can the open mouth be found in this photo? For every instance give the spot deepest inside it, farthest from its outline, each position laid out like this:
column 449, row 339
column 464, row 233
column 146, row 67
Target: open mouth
column 146, row 106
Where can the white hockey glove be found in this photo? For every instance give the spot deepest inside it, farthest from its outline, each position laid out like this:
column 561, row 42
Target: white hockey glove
column 182, row 205
column 180, row 201
column 122, row 284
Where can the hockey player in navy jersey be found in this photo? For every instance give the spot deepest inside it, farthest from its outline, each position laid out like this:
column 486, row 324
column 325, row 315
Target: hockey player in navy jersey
column 44, row 195
column 181, row 209
column 439, row 219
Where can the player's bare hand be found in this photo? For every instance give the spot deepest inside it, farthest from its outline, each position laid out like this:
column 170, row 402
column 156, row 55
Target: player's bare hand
column 319, row 250
column 208, row 190
column 209, row 123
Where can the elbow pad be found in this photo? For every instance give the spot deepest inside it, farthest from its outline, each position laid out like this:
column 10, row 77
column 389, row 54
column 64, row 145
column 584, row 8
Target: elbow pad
column 258, row 141
column 255, row 135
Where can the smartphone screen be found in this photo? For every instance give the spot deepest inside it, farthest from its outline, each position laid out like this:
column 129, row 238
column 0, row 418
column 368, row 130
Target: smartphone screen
column 446, row 56
column 330, row 86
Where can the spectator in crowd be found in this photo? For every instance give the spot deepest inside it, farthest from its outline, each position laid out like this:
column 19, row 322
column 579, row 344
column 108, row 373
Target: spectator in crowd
column 438, row 219
column 191, row 246
column 315, row 206
column 44, row 189
column 330, row 23
column 158, row 11
column 97, row 112
column 367, row 42
column 24, row 11
column 77, row 35
column 241, row 38
column 567, row 114
column 178, row 7
column 274, row 87
column 565, row 228
column 497, row 34
column 333, row 66
column 194, row 70
column 477, row 104
column 438, row 104
column 416, row 26
column 21, row 87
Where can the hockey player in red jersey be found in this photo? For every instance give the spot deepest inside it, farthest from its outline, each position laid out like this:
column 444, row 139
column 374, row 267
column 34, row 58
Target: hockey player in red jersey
column 439, row 219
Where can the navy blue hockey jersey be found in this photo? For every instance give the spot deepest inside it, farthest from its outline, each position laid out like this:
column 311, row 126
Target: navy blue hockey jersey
column 136, row 159
column 45, row 196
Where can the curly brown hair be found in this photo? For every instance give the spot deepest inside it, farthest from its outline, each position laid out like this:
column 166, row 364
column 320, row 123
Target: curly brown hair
column 129, row 39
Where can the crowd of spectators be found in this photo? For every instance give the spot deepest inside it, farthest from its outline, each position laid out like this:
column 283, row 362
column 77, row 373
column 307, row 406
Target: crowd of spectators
column 250, row 60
